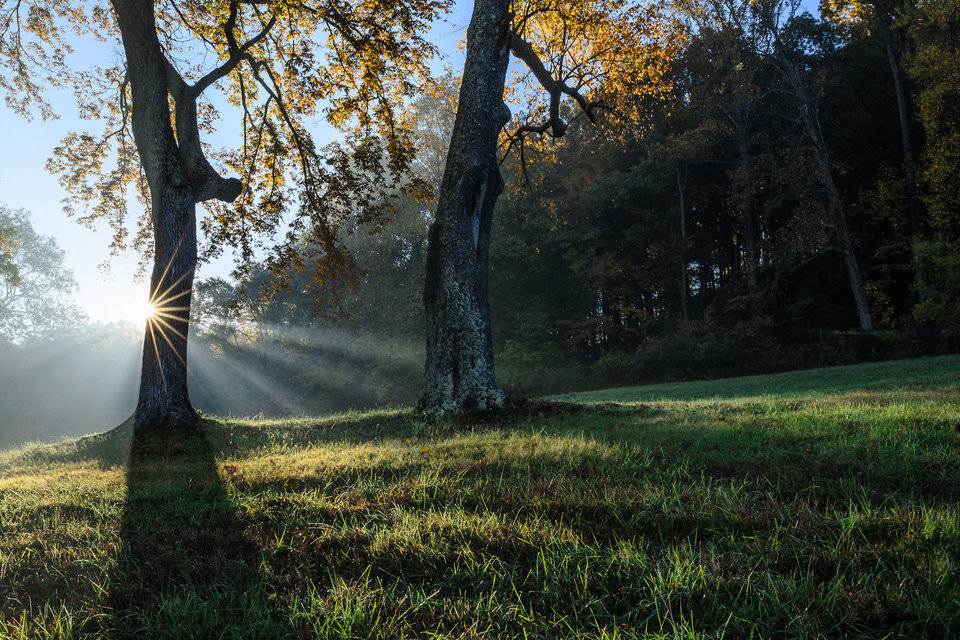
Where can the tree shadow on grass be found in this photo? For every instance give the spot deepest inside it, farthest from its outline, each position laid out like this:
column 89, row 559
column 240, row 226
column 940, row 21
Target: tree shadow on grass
column 185, row 566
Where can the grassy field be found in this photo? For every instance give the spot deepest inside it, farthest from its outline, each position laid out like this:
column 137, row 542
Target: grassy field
column 804, row 505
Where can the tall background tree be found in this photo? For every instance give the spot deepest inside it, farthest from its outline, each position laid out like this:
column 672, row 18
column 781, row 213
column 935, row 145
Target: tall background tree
column 58, row 373
column 36, row 288
column 8, row 246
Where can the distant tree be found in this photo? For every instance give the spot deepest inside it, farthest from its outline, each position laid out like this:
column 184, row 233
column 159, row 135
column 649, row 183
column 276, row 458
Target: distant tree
column 35, row 286
column 893, row 20
column 8, row 245
column 933, row 67
column 213, row 310
column 778, row 19
column 726, row 93
column 280, row 63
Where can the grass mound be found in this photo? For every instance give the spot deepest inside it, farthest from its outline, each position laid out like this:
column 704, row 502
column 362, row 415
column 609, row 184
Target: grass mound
column 815, row 504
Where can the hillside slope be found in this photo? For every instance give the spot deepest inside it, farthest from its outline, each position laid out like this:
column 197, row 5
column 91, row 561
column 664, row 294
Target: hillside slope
column 815, row 504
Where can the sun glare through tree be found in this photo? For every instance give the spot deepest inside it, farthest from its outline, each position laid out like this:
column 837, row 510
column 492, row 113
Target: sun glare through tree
column 167, row 311
column 149, row 312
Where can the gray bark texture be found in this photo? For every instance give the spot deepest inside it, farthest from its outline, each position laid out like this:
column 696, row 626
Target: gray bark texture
column 178, row 177
column 459, row 373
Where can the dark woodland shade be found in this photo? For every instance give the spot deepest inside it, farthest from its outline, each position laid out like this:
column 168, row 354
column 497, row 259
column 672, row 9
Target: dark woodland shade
column 590, row 264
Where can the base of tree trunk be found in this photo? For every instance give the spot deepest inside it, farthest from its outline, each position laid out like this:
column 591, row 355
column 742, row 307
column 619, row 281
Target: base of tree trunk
column 443, row 398
column 151, row 419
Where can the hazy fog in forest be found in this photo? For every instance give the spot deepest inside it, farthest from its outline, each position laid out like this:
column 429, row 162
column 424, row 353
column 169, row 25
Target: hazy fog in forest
column 85, row 380
column 68, row 385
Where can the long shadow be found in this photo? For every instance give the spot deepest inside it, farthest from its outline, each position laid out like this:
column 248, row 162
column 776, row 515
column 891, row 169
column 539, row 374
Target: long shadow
column 185, row 566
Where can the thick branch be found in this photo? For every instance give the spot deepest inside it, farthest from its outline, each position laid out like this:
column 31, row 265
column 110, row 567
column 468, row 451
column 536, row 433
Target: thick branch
column 554, row 87
column 209, row 184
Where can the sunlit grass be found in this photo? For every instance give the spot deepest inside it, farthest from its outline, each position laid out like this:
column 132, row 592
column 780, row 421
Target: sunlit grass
column 792, row 510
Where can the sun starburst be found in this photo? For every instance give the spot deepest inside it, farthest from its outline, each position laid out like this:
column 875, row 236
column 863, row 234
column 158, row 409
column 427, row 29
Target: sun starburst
column 168, row 312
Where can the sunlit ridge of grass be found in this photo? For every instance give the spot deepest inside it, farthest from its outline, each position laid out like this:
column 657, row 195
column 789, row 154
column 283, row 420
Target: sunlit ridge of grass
column 942, row 372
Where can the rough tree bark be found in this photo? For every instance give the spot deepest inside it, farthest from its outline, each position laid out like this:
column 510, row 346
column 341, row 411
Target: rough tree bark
column 179, row 177
column 163, row 377
column 459, row 372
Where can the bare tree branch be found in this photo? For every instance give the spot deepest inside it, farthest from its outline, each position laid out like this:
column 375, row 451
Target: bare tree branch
column 524, row 51
column 236, row 51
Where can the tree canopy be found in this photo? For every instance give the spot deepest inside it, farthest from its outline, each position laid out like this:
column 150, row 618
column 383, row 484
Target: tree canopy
column 268, row 71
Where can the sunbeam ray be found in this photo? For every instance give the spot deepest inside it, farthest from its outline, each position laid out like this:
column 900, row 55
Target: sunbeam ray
column 156, row 351
column 173, row 348
column 163, row 298
column 162, row 318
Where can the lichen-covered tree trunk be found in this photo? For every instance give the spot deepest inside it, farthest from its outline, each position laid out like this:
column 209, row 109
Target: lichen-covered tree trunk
column 163, row 381
column 459, row 373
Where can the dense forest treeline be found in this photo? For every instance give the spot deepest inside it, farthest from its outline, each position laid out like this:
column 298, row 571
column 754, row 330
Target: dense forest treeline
column 713, row 240
column 793, row 203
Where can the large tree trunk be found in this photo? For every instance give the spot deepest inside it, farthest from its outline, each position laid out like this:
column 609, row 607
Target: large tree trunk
column 459, row 373
column 163, row 381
